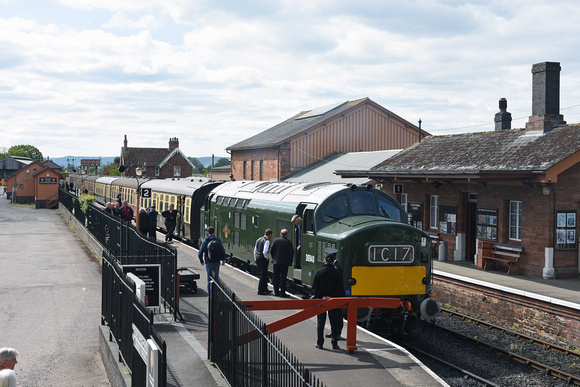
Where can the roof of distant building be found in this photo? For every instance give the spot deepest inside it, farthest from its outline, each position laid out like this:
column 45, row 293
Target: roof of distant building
column 301, row 122
column 323, row 169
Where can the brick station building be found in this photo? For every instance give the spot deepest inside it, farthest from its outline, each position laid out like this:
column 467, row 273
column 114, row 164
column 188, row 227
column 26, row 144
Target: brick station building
column 516, row 187
column 351, row 126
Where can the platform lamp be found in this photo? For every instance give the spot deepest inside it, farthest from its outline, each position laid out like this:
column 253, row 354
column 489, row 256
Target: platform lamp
column 139, row 173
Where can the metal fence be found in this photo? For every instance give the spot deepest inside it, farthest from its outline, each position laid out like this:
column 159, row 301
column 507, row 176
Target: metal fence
column 122, row 312
column 243, row 350
column 128, row 245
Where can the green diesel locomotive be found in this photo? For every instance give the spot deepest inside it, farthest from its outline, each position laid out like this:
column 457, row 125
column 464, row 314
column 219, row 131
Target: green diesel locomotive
column 380, row 253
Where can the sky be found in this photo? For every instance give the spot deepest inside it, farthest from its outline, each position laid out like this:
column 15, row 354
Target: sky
column 78, row 75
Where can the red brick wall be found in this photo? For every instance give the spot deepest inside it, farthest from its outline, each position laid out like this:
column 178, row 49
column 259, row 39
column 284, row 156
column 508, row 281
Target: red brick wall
column 268, row 156
column 538, row 213
column 553, row 322
column 167, row 170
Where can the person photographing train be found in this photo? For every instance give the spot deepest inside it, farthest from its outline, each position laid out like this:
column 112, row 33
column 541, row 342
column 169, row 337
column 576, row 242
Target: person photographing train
column 327, row 282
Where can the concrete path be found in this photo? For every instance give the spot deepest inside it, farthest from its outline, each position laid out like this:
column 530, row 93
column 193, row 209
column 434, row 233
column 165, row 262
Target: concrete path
column 50, row 292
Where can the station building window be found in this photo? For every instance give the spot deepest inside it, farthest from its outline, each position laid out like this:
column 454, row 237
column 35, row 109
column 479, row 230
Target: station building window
column 515, row 220
column 177, row 171
column 157, row 170
column 433, row 212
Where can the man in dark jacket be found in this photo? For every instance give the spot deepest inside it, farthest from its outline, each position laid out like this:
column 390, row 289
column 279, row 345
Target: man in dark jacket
column 282, row 253
column 170, row 222
column 327, row 282
column 212, row 259
column 143, row 222
column 153, row 223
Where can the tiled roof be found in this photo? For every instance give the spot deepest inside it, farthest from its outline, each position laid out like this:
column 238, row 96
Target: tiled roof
column 142, row 156
column 291, row 127
column 515, row 150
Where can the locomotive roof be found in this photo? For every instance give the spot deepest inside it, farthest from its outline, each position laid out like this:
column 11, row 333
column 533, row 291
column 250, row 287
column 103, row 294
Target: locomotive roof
column 279, row 190
column 177, row 186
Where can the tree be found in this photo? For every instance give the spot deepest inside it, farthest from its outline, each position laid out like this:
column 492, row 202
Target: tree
column 26, row 151
column 112, row 169
column 3, row 153
column 222, row 162
column 198, row 167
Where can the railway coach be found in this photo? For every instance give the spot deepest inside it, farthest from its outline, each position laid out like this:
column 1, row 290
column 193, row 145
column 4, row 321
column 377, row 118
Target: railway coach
column 380, row 253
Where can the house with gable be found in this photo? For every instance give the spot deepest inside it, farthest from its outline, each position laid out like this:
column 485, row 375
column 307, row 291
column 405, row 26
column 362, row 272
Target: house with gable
column 156, row 163
column 34, row 183
column 351, row 126
column 504, row 190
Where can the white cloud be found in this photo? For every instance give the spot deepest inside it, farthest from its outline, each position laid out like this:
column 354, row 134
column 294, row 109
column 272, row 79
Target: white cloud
column 214, row 73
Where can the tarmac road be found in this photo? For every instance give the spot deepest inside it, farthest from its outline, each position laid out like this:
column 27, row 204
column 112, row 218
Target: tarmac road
column 50, row 292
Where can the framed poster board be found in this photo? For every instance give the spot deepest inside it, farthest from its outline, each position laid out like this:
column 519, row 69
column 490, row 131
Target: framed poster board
column 448, row 219
column 566, row 230
column 487, row 224
column 415, row 214
column 151, row 275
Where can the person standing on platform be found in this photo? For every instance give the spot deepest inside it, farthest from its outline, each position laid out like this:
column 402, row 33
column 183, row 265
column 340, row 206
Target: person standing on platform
column 327, row 282
column 297, row 220
column 261, row 257
column 143, row 222
column 8, row 358
column 213, row 250
column 332, row 251
column 126, row 212
column 282, row 253
column 170, row 222
column 153, row 223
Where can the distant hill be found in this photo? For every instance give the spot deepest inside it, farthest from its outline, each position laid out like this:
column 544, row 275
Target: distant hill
column 62, row 161
column 206, row 161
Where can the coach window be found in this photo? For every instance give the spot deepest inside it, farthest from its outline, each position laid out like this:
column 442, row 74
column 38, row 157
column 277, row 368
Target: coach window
column 515, row 220
column 256, row 221
column 433, row 212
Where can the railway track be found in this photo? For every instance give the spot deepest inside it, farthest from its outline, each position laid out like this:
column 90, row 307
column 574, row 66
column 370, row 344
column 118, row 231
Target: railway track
column 517, row 355
column 495, row 365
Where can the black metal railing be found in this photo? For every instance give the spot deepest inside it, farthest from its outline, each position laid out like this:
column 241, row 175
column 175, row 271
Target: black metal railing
column 122, row 312
column 243, row 350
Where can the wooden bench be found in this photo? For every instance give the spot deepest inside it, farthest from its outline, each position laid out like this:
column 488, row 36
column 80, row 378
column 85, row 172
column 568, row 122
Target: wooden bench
column 505, row 253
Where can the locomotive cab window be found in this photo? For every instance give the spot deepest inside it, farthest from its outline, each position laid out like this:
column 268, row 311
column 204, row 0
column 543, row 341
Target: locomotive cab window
column 388, row 209
column 336, row 209
column 363, row 203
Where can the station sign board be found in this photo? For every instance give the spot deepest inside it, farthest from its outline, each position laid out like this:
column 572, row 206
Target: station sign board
column 151, row 275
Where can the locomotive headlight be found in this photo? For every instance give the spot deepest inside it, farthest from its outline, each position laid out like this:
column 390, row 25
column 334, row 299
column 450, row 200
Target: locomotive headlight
column 426, row 280
column 351, row 281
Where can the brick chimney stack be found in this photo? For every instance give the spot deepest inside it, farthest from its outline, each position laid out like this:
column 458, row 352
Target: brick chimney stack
column 545, row 97
column 503, row 119
column 125, row 142
column 173, row 143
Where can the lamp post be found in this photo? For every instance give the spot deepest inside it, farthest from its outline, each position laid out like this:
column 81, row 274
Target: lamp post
column 139, row 173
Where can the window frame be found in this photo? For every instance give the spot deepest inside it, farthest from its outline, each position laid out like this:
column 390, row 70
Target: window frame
column 518, row 224
column 434, row 212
